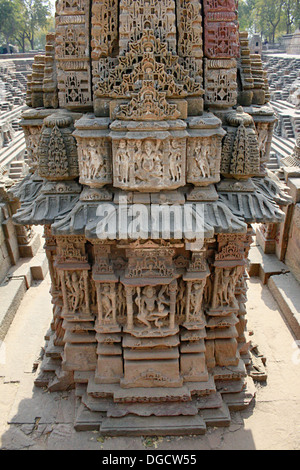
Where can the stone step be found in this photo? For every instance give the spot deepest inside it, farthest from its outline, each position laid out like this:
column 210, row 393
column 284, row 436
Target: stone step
column 87, row 420
column 14, row 151
column 286, row 291
column 240, row 401
column 217, row 417
column 152, row 409
column 11, row 295
column 281, row 150
column 264, row 265
column 153, row 426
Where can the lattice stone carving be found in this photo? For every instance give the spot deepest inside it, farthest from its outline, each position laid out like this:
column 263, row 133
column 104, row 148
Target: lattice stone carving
column 189, row 24
column 73, row 54
column 139, row 15
column 220, row 10
column 104, row 28
column 221, row 40
column 220, row 83
column 148, row 61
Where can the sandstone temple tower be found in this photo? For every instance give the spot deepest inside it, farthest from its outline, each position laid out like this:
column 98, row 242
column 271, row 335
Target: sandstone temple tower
column 145, row 117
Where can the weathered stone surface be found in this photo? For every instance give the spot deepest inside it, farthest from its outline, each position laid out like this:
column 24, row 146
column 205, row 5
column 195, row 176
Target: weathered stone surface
column 153, row 426
column 285, row 289
column 148, row 258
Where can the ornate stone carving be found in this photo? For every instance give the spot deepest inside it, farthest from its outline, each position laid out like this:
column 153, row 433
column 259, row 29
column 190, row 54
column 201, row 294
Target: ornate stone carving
column 221, row 40
column 149, row 157
column 150, row 263
column 151, row 310
column 220, row 83
column 221, row 30
column 240, row 152
column 204, row 150
column 50, row 74
column 225, row 280
column 36, row 82
column 140, row 15
column 149, row 164
column 189, row 23
column 150, row 73
column 94, row 152
column 104, row 28
column 147, row 247
column 57, row 148
column 32, row 138
column 72, row 54
column 246, row 81
column 75, row 292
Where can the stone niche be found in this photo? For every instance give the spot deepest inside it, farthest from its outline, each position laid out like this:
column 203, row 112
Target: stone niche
column 149, row 156
column 149, row 178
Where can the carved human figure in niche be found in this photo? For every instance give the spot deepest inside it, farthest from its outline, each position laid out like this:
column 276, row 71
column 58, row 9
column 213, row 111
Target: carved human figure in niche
column 151, row 159
column 92, row 162
column 226, row 296
column 122, row 157
column 92, row 294
column 151, row 166
column 121, row 300
column 226, row 280
column 181, row 298
column 75, row 291
column 138, row 154
column 175, row 161
column 196, row 299
column 152, row 307
column 202, row 158
column 107, row 300
column 263, row 135
column 96, row 159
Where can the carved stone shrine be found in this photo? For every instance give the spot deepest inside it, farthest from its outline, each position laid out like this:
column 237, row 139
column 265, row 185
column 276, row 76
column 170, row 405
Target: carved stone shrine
column 147, row 173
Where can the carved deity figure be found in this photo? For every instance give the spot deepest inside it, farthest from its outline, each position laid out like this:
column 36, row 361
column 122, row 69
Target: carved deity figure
column 75, row 290
column 263, row 135
column 196, row 300
column 225, row 283
column 181, row 298
column 94, row 162
column 175, row 161
column 123, row 158
column 202, row 159
column 153, row 306
column 151, row 166
column 108, row 301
